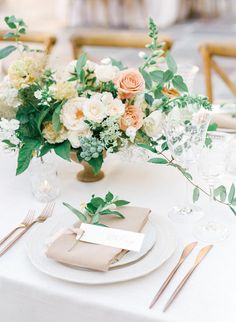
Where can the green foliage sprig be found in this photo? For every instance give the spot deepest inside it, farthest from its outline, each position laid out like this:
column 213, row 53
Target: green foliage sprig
column 98, row 207
column 17, row 28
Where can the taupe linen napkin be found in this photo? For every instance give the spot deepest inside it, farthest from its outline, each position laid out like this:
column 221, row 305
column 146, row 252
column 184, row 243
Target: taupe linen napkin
column 224, row 121
column 92, row 256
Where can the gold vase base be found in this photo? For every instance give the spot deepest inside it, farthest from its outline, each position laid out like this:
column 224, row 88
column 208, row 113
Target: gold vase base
column 84, row 176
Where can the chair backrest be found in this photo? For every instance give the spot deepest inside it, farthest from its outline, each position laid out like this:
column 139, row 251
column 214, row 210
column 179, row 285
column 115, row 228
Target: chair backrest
column 47, row 40
column 114, row 39
column 208, row 52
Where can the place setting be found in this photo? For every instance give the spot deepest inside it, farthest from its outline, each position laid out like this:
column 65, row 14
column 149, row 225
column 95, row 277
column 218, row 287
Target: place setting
column 92, row 230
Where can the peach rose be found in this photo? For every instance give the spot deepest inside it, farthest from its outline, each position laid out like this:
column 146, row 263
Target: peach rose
column 170, row 92
column 129, row 82
column 133, row 117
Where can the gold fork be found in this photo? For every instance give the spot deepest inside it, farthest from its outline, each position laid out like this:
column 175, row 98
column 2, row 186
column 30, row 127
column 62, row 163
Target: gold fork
column 25, row 222
column 45, row 214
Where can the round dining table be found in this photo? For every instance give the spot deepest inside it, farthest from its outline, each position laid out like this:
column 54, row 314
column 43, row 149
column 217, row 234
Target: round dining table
column 28, row 295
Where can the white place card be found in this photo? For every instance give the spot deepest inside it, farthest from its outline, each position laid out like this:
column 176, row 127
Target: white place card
column 112, row 237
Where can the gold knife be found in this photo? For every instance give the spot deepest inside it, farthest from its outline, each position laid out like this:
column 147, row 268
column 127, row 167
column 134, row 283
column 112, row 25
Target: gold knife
column 203, row 252
column 187, row 250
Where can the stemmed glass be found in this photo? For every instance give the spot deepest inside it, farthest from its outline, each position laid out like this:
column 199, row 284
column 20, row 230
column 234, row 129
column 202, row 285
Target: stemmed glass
column 186, row 137
column 212, row 166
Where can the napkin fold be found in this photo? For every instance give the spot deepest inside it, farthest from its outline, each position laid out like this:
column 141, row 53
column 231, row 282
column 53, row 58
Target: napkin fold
column 92, row 256
column 224, row 121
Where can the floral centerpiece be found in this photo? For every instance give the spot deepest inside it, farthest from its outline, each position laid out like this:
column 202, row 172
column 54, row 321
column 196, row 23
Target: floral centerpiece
column 91, row 109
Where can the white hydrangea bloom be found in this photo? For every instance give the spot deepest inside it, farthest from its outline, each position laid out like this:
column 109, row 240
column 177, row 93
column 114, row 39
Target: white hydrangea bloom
column 8, row 130
column 9, row 94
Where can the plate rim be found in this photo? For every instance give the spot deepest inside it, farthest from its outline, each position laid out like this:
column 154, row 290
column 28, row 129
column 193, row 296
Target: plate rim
column 113, row 280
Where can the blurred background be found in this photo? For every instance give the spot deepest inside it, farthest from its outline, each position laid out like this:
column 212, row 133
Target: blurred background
column 105, row 27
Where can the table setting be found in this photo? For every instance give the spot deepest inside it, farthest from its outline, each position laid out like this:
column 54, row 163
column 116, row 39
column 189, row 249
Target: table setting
column 118, row 237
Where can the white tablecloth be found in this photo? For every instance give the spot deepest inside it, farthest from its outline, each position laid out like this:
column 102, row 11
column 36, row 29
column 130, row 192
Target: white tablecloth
column 27, row 295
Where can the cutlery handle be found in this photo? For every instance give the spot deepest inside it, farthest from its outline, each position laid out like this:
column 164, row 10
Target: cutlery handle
column 12, row 243
column 164, row 285
column 179, row 287
column 2, row 241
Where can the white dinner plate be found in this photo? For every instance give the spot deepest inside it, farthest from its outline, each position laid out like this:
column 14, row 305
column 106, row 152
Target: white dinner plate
column 164, row 247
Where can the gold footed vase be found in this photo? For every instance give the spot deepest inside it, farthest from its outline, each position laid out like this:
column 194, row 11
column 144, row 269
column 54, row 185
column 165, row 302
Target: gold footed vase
column 87, row 174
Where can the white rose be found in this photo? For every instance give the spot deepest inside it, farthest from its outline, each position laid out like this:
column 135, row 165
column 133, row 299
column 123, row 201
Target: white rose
column 116, row 108
column 105, row 73
column 106, row 61
column 140, row 102
column 107, row 98
column 94, row 110
column 153, row 124
column 74, row 136
column 90, row 65
column 72, row 115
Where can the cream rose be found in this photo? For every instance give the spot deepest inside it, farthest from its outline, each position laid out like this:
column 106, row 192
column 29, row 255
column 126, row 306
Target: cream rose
column 129, row 83
column 153, row 124
column 72, row 115
column 54, row 137
column 94, row 110
column 105, row 73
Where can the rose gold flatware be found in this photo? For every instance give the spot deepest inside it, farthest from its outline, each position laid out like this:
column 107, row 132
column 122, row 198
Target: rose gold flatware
column 25, row 222
column 203, row 252
column 187, row 250
column 45, row 214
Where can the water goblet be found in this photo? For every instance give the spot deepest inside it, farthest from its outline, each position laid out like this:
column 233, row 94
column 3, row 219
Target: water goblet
column 186, row 138
column 212, row 166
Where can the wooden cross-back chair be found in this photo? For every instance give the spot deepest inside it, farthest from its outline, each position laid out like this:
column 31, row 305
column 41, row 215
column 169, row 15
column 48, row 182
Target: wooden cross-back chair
column 114, row 39
column 208, row 52
column 47, row 40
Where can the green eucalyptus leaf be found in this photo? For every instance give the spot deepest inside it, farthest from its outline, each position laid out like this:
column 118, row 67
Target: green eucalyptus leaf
column 9, row 35
column 112, row 212
column 158, row 161
column 196, row 194
column 148, row 99
column 147, row 78
column 231, row 193
column 212, row 127
column 157, row 76
column 4, row 52
column 81, row 62
column 97, row 202
column 171, row 63
column 147, row 147
column 179, row 83
column 233, row 210
column 75, row 211
column 168, row 75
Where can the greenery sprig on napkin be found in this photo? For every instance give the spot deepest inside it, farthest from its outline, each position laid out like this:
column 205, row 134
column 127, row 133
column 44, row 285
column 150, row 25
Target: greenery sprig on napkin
column 92, row 211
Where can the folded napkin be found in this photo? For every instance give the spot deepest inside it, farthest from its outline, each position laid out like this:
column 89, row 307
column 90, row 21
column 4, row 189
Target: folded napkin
column 92, row 256
column 224, row 121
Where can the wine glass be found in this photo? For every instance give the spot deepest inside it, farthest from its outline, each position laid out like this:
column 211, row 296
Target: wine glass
column 185, row 136
column 189, row 73
column 212, row 166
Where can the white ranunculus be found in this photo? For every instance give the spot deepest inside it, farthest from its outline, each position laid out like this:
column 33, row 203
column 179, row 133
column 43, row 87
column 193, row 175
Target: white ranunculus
column 74, row 136
column 72, row 115
column 153, row 124
column 116, row 108
column 94, row 110
column 105, row 73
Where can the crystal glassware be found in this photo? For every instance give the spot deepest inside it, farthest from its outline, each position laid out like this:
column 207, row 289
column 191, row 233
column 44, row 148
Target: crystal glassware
column 44, row 181
column 189, row 73
column 212, row 166
column 185, row 134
